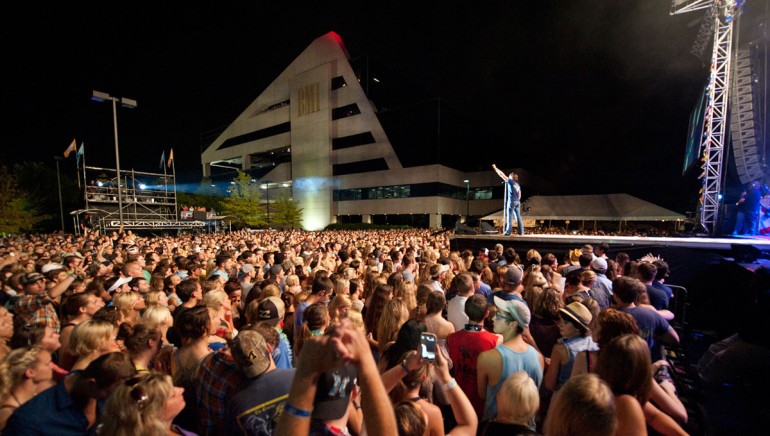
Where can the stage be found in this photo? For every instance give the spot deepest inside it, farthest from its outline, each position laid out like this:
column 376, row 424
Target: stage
column 716, row 272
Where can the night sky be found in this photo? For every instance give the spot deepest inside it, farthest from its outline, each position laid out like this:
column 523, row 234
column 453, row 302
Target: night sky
column 594, row 95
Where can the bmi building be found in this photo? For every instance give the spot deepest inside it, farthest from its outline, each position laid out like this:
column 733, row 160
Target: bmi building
column 330, row 134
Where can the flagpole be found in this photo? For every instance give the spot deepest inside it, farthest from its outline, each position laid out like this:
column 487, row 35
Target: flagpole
column 173, row 174
column 85, row 179
column 165, row 176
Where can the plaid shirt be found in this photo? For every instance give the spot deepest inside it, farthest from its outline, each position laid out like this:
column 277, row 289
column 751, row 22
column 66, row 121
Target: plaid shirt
column 37, row 309
column 219, row 378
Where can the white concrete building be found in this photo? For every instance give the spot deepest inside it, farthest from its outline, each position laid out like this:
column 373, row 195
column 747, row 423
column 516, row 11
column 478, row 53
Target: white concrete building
column 315, row 135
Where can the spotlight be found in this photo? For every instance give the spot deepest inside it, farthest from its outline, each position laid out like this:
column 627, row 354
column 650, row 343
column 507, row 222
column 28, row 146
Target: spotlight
column 142, row 186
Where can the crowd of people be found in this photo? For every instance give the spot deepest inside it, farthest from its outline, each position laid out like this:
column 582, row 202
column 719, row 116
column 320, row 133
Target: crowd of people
column 292, row 332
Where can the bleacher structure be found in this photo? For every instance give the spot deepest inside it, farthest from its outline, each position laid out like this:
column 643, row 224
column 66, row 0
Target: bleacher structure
column 144, row 201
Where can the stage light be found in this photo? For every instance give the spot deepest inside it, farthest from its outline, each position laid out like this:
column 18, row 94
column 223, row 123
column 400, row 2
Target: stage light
column 99, row 184
column 142, row 186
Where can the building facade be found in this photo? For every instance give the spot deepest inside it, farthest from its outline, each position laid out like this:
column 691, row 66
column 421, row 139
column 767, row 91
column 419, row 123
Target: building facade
column 313, row 134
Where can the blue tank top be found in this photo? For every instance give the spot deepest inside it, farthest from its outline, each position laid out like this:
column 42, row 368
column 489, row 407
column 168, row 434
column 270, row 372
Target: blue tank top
column 574, row 345
column 527, row 361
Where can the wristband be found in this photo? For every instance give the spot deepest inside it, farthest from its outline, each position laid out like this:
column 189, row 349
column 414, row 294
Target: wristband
column 299, row 413
column 404, row 366
column 452, row 383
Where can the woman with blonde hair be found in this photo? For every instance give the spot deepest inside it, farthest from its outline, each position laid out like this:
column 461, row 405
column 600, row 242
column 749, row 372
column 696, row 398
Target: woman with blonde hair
column 24, row 373
column 341, row 286
column 161, row 316
column 517, row 403
column 338, row 308
column 143, row 405
column 394, row 315
column 130, row 304
column 406, row 293
column 219, row 302
column 91, row 339
column 533, row 289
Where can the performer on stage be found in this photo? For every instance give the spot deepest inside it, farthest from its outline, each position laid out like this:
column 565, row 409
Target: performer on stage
column 512, row 202
column 748, row 211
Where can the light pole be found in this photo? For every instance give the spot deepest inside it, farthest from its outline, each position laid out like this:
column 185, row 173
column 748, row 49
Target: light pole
column 125, row 102
column 467, row 199
column 58, row 182
column 267, row 203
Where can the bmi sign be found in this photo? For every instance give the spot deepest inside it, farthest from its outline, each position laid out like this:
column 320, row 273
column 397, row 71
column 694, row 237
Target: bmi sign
column 308, row 99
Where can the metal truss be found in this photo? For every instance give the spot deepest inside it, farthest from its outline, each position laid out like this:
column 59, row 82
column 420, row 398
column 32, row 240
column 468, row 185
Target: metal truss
column 683, row 6
column 715, row 120
column 153, row 224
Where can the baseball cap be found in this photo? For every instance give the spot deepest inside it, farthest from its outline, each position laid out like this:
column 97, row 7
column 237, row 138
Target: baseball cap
column 333, row 394
column 247, row 268
column 599, row 264
column 436, row 269
column 514, row 309
column 118, row 283
column 29, row 278
column 73, row 253
column 271, row 310
column 513, row 275
column 50, row 267
column 251, row 353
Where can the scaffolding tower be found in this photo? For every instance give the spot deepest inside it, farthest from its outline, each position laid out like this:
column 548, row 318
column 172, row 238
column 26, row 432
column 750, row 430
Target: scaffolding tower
column 146, row 200
column 715, row 122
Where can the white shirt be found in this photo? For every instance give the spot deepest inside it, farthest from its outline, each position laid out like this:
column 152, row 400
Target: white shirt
column 456, row 312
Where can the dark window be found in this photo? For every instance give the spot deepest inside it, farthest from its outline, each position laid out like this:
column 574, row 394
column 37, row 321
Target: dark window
column 347, row 194
column 363, row 166
column 345, row 111
column 259, row 134
column 352, row 140
column 338, row 82
column 416, row 190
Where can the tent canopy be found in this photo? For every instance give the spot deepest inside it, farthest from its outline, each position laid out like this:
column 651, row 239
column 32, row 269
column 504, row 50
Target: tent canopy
column 608, row 207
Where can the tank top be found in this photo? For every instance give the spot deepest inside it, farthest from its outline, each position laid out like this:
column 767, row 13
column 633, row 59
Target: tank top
column 527, row 361
column 574, row 345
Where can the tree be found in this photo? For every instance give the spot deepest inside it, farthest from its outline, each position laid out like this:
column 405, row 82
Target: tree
column 243, row 204
column 17, row 212
column 286, row 212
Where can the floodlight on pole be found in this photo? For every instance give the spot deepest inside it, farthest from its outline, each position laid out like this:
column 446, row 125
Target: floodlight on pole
column 125, row 102
column 467, row 198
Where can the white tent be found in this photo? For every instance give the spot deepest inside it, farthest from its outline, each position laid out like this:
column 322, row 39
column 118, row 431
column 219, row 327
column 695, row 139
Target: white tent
column 609, row 207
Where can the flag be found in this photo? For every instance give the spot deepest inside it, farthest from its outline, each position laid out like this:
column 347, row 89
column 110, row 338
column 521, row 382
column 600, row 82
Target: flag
column 73, row 146
column 80, row 153
column 170, row 157
column 162, row 159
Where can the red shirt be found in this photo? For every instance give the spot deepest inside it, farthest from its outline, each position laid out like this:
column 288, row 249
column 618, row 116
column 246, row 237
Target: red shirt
column 464, row 349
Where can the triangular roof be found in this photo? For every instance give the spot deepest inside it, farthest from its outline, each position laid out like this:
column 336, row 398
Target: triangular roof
column 271, row 108
column 607, row 207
